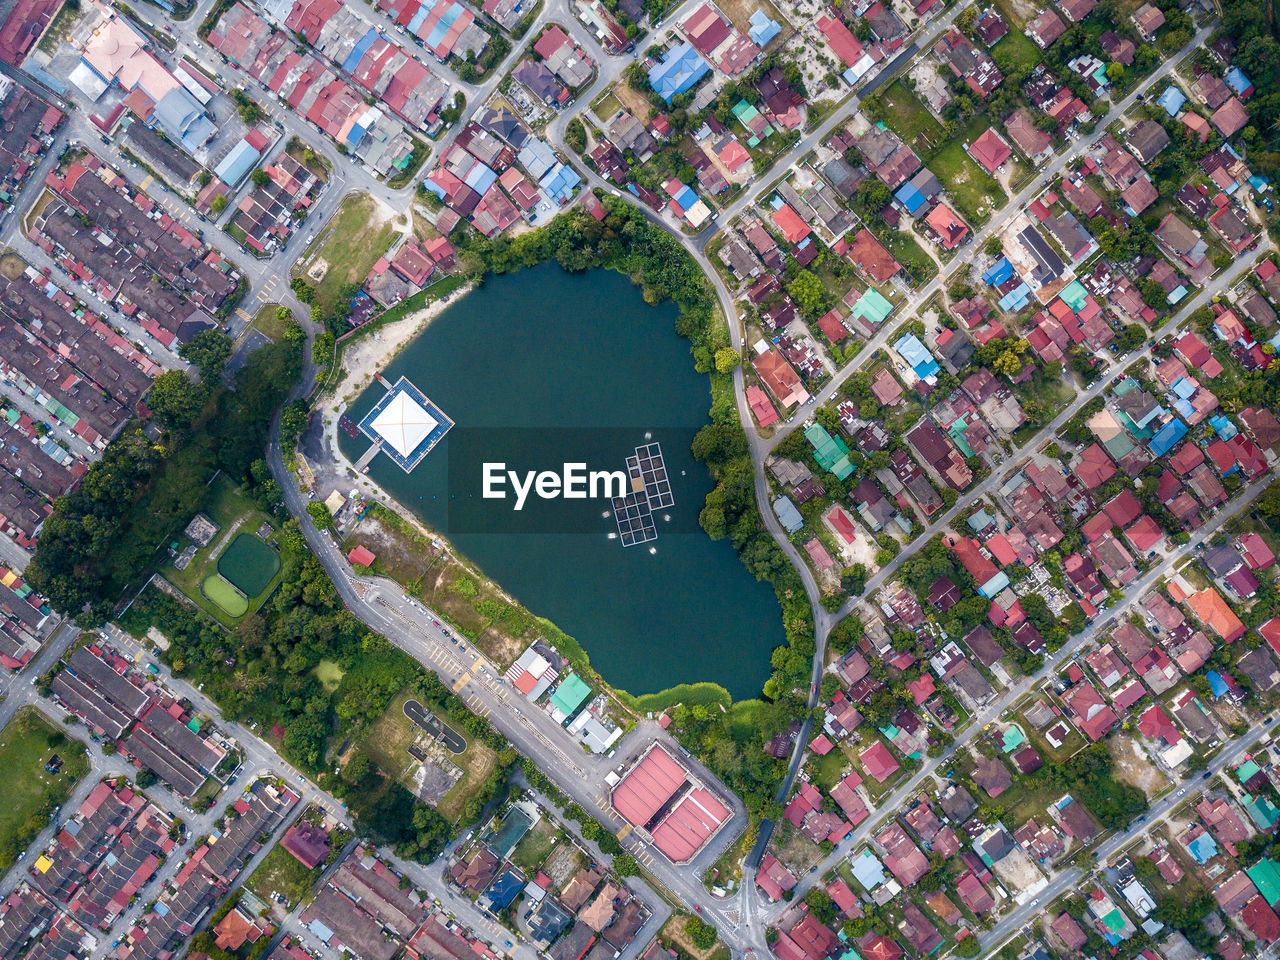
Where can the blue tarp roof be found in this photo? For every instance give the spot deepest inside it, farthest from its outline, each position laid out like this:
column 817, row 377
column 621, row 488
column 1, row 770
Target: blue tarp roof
column 1172, row 100
column 686, row 197
column 1167, row 437
column 1216, row 684
column 910, row 197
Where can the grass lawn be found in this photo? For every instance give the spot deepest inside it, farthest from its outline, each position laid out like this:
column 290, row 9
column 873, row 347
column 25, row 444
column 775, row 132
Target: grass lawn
column 975, row 193
column 903, row 415
column 674, row 932
column 330, row 675
column 267, row 322
column 910, row 118
column 352, row 243
column 606, row 106
column 235, row 514
column 28, row 793
column 1028, row 797
column 1019, row 50
column 477, row 762
column 281, row 872
column 387, row 742
column 910, row 254
column 222, row 593
column 829, row 770
column 389, row 738
column 535, row 846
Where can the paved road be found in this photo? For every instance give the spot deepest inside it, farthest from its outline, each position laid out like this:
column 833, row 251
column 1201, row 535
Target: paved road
column 924, row 778
column 1071, row 877
column 410, row 625
column 387, row 609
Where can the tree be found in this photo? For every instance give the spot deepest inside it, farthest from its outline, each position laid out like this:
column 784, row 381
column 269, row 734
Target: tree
column 727, row 360
column 260, row 178
column 703, row 935
column 218, row 204
column 1132, row 336
column 575, row 135
column 871, row 197
column 176, row 400
column 624, row 865
column 209, row 350
column 320, row 515
column 993, row 247
column 808, row 293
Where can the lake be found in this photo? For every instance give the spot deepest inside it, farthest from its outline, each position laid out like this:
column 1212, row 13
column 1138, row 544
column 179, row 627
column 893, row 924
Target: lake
column 543, row 367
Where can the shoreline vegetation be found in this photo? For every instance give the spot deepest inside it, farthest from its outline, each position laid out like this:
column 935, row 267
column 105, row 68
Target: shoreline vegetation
column 103, row 541
column 730, row 739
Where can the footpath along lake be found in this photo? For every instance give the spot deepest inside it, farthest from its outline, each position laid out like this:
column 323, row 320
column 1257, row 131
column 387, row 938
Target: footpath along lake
column 542, row 367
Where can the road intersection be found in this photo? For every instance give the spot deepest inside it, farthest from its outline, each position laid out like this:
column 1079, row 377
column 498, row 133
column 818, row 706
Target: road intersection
column 385, row 607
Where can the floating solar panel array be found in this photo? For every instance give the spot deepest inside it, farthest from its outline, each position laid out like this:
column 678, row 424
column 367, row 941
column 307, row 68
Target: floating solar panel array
column 650, row 491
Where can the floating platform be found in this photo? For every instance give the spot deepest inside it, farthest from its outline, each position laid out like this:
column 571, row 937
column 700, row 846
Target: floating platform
column 405, row 424
column 650, row 491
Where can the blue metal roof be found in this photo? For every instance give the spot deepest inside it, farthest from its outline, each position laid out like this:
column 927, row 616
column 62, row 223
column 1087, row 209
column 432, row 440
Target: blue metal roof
column 679, row 72
column 1172, row 100
column 762, row 29
column 1167, row 437
column 910, row 197
column 998, row 274
column 917, row 355
column 359, row 50
column 235, row 166
column 1236, row 80
column 1223, row 427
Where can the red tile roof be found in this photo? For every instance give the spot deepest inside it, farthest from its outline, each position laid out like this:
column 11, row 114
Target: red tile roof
column 878, row 762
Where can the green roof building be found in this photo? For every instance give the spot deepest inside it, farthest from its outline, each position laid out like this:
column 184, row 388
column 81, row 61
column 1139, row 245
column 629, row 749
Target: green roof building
column 872, row 307
column 1265, row 875
column 572, row 693
column 830, row 452
column 1074, row 295
column 1263, row 811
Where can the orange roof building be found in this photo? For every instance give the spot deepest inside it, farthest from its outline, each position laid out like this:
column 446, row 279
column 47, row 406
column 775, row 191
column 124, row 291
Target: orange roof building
column 1215, row 613
column 789, row 222
column 779, row 378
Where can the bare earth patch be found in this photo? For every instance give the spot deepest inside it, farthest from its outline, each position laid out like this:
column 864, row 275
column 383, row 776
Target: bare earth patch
column 634, row 102
column 1133, row 767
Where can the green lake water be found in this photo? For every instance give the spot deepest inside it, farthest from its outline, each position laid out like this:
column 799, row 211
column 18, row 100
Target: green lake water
column 541, row 367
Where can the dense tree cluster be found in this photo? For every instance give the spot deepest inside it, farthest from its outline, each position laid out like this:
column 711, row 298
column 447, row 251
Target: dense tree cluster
column 105, row 534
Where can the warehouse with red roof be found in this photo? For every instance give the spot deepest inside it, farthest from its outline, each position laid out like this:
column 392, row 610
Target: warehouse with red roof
column 660, row 798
